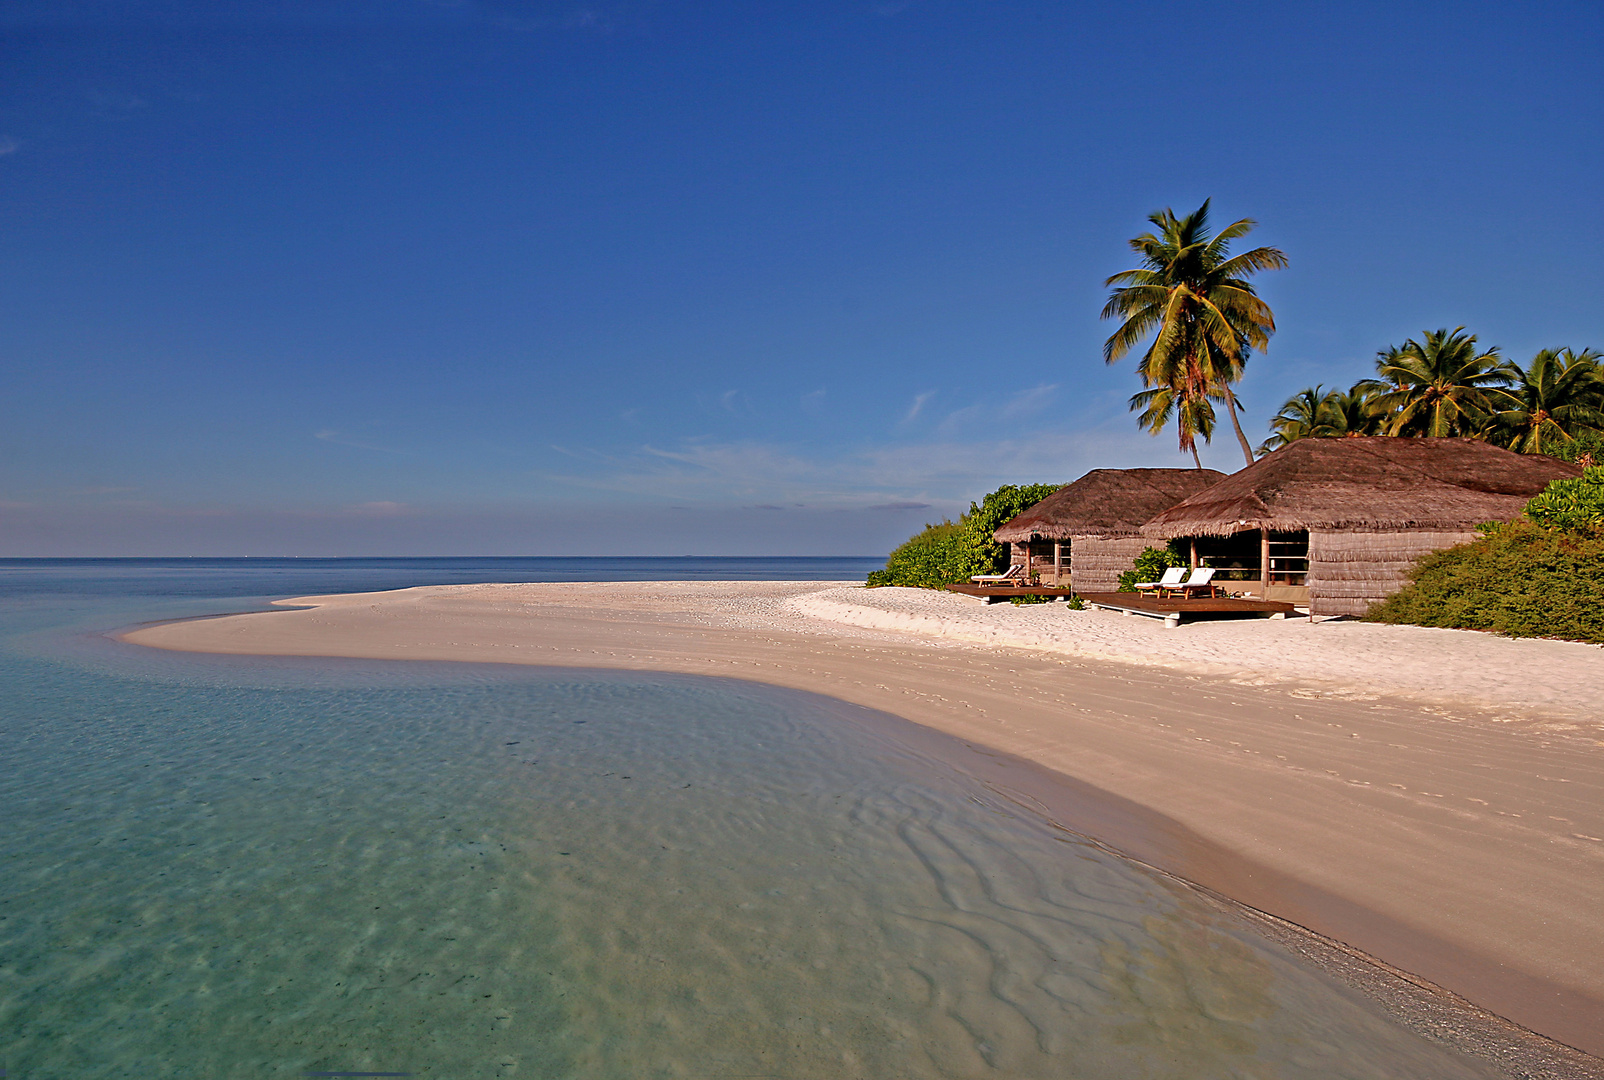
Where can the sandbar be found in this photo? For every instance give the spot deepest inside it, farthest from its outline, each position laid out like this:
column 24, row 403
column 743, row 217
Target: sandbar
column 1434, row 799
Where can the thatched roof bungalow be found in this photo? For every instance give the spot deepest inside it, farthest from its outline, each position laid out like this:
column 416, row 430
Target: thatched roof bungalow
column 1091, row 530
column 1336, row 523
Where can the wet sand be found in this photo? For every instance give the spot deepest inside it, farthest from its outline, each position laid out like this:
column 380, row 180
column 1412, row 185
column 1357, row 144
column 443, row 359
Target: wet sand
column 1455, row 842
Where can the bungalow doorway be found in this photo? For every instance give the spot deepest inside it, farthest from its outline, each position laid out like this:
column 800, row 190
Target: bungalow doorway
column 1264, row 565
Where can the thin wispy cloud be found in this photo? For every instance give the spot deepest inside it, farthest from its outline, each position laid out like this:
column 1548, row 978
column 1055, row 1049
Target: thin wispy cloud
column 1018, row 406
column 340, row 438
column 918, row 406
column 944, row 474
column 8, row 145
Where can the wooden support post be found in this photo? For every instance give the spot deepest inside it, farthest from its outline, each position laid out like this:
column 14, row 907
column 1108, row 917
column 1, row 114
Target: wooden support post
column 1264, row 564
column 1194, row 553
column 1028, row 544
column 1058, row 564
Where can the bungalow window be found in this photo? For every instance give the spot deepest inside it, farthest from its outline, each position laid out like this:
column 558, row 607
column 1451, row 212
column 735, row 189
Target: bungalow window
column 1234, row 558
column 1289, row 558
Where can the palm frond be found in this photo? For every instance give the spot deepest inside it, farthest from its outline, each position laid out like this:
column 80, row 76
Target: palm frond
column 1253, row 262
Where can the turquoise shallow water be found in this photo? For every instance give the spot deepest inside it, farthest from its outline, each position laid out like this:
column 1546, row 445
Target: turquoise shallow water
column 227, row 867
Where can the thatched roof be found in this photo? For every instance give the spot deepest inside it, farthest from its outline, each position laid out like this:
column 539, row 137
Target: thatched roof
column 1106, row 502
column 1366, row 485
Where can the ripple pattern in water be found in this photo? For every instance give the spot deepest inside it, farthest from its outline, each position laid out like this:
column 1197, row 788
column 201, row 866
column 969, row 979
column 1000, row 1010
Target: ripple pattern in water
column 560, row 874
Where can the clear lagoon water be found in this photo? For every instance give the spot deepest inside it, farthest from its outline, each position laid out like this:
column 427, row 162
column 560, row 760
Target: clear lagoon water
column 239, row 867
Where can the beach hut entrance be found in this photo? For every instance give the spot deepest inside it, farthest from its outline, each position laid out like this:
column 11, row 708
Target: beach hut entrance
column 1268, row 565
column 1045, row 561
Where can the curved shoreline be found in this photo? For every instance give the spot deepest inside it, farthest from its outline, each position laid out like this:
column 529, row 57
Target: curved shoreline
column 1018, row 703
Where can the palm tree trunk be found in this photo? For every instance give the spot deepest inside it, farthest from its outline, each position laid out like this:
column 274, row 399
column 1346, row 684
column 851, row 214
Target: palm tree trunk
column 1196, row 460
column 1230, row 404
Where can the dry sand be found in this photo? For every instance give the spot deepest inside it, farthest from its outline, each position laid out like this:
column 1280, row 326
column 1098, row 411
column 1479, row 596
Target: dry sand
column 1432, row 798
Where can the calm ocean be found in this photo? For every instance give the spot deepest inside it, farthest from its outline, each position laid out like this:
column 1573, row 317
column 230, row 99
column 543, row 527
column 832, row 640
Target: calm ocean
column 232, row 867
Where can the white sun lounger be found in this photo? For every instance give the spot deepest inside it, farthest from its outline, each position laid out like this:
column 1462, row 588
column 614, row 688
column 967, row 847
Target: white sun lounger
column 1013, row 574
column 1201, row 581
column 1172, row 577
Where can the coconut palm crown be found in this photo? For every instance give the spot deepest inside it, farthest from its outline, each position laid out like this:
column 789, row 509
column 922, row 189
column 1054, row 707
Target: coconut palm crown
column 1558, row 396
column 1334, row 414
column 1353, row 412
column 1299, row 418
column 1441, row 386
column 1196, row 296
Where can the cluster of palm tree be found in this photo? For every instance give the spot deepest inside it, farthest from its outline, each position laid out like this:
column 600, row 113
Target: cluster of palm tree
column 1447, row 385
column 1194, row 296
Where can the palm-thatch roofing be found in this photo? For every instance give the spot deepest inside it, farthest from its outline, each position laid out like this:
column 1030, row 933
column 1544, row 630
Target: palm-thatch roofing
column 1366, row 484
column 1106, row 503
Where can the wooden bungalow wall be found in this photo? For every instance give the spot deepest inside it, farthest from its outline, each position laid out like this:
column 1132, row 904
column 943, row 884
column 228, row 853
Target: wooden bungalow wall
column 1349, row 571
column 1098, row 563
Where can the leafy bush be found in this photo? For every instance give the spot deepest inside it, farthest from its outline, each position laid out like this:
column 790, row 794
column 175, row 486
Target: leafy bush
column 1571, row 504
column 1521, row 579
column 955, row 551
column 1587, row 448
column 992, row 512
column 928, row 560
column 1150, row 566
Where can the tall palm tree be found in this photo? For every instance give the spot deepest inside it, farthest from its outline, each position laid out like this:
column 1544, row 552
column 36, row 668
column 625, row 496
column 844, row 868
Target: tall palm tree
column 1559, row 395
column 1196, row 296
column 1440, row 386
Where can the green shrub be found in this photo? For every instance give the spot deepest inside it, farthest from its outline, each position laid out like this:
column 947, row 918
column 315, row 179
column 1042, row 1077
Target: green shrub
column 955, row 551
column 1521, row 579
column 989, row 515
column 928, row 560
column 1571, row 504
column 1150, row 566
column 1587, row 448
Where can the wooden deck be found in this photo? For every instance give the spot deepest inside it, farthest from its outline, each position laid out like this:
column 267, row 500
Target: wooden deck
column 1173, row 609
column 989, row 593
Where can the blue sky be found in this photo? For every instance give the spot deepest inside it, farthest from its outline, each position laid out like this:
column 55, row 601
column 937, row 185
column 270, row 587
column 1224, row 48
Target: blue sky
column 502, row 277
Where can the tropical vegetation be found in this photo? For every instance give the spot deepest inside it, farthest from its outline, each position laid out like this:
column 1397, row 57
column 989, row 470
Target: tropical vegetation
column 1194, row 297
column 1195, row 306
column 1556, row 397
column 1541, row 575
column 952, row 551
column 1576, row 504
column 1150, row 566
column 1447, row 384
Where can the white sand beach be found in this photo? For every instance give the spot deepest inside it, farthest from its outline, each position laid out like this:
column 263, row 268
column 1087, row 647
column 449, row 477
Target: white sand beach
column 1434, row 798
column 1530, row 677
